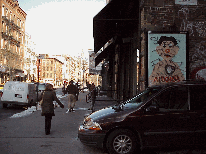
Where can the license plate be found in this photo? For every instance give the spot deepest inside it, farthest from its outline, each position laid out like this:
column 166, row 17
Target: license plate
column 18, row 95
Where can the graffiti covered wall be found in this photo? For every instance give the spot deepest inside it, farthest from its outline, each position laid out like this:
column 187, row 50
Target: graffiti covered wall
column 172, row 16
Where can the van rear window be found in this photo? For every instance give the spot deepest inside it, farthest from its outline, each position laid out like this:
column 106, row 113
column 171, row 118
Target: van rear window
column 19, row 88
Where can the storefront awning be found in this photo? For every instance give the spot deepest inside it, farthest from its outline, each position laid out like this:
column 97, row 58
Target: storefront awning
column 105, row 23
column 104, row 54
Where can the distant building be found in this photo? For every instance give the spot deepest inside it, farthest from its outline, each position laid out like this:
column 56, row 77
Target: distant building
column 30, row 60
column 107, row 1
column 50, row 71
column 12, row 26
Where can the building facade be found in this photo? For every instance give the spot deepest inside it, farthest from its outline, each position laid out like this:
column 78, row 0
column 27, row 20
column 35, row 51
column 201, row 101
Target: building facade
column 30, row 60
column 182, row 22
column 131, row 35
column 12, row 37
column 115, row 32
column 50, row 71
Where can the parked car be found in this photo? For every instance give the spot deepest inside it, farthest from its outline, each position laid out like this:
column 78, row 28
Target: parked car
column 19, row 93
column 171, row 115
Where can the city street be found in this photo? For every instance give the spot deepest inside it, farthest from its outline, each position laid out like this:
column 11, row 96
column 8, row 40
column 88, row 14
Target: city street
column 23, row 132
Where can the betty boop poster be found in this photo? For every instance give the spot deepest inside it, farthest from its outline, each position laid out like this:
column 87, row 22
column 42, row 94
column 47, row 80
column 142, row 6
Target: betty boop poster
column 166, row 58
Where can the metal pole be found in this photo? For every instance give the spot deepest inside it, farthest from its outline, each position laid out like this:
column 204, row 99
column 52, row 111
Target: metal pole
column 38, row 63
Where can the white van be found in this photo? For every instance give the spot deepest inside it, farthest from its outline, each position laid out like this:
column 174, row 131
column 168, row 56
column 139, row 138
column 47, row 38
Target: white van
column 19, row 93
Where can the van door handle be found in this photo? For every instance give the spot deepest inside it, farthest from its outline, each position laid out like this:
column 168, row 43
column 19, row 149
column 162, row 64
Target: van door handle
column 185, row 117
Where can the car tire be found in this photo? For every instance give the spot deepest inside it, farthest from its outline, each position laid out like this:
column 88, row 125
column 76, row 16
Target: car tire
column 122, row 141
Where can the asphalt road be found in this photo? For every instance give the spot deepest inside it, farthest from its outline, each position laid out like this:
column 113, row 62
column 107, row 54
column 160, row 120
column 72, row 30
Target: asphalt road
column 22, row 131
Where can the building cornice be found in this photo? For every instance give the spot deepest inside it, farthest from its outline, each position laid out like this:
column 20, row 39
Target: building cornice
column 13, row 4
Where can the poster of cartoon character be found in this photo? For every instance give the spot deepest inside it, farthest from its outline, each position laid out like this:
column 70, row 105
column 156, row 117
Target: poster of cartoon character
column 166, row 58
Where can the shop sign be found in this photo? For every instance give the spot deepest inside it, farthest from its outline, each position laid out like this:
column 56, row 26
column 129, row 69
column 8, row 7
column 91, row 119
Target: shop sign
column 167, row 57
column 92, row 68
column 186, row 2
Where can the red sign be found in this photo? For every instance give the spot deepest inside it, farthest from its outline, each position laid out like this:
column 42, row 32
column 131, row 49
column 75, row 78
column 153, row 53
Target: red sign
column 199, row 73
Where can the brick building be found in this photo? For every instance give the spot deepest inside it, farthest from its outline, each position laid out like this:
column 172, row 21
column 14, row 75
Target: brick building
column 125, row 27
column 50, row 71
column 12, row 26
column 173, row 16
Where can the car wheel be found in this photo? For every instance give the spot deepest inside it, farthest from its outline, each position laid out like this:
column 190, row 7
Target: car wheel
column 122, row 141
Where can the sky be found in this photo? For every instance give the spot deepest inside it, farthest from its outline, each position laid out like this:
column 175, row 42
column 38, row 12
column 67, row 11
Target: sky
column 61, row 26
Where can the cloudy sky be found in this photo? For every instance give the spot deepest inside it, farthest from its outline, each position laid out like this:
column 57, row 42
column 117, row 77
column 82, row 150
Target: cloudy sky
column 61, row 26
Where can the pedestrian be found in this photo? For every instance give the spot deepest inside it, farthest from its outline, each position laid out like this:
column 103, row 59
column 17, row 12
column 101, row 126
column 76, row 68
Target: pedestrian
column 93, row 94
column 47, row 97
column 91, row 87
column 77, row 94
column 64, row 88
column 72, row 92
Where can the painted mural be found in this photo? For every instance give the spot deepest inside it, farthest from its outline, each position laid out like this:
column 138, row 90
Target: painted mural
column 166, row 58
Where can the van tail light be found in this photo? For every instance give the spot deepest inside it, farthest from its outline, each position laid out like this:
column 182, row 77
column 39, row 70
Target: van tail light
column 27, row 96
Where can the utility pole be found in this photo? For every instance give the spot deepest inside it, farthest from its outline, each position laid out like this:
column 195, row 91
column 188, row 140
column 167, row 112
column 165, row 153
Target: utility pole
column 37, row 89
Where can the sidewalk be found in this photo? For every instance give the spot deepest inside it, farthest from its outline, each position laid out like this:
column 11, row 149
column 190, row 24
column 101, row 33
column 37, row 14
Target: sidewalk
column 102, row 102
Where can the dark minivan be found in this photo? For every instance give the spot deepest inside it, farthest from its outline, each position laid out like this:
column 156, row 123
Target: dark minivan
column 171, row 115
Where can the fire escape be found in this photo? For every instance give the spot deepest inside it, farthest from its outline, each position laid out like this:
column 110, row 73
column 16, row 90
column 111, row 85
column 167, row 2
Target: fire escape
column 11, row 56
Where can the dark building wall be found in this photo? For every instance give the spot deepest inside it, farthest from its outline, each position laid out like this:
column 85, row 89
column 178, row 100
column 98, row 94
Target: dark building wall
column 122, row 73
column 165, row 15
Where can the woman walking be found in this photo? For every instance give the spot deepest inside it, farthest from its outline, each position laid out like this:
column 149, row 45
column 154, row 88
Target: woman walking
column 47, row 97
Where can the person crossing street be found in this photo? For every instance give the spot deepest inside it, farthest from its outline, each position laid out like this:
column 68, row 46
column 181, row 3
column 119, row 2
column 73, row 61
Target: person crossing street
column 72, row 91
column 47, row 97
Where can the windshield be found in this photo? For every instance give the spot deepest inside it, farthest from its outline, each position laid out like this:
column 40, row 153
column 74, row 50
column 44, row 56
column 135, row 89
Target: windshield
column 41, row 86
column 143, row 96
column 136, row 101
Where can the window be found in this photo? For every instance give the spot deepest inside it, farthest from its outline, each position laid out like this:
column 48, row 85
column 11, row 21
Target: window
column 3, row 10
column 50, row 75
column 197, row 97
column 2, row 42
column 175, row 98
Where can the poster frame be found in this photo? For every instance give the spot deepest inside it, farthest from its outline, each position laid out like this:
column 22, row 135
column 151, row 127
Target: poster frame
column 148, row 33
